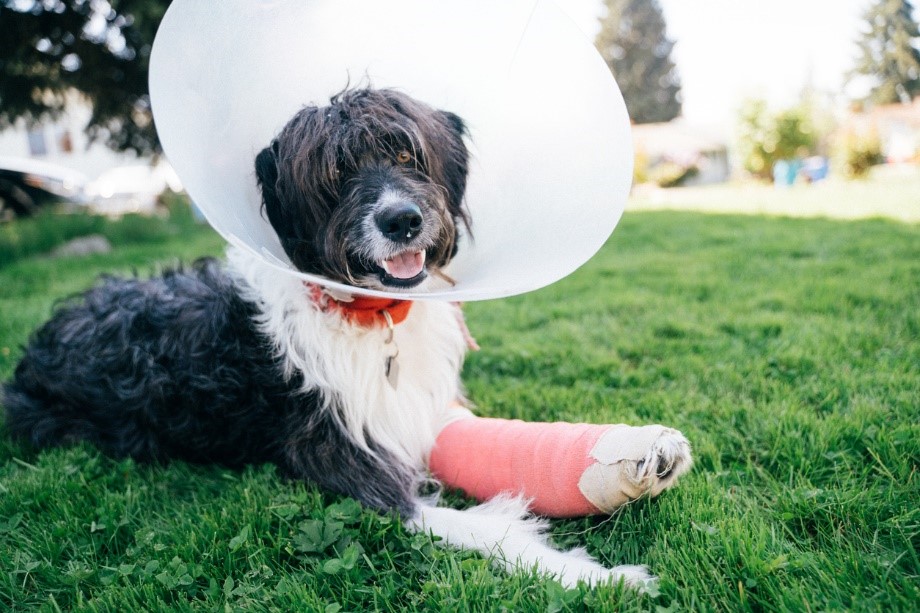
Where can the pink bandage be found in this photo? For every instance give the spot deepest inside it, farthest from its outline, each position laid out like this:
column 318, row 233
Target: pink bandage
column 567, row 470
column 484, row 457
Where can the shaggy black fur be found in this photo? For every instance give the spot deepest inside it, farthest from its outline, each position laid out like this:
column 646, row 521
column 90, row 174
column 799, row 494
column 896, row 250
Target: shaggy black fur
column 174, row 367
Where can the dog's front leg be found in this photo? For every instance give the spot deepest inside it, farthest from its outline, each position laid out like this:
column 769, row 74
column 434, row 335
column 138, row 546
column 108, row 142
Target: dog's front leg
column 503, row 531
column 320, row 451
column 565, row 470
column 560, row 470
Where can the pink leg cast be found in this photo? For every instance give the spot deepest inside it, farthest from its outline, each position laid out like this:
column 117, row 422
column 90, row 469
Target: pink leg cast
column 566, row 470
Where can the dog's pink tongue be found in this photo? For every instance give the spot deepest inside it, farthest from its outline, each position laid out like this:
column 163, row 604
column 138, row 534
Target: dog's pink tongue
column 405, row 265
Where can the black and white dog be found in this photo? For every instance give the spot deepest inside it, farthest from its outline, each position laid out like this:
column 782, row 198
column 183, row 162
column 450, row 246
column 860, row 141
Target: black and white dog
column 242, row 363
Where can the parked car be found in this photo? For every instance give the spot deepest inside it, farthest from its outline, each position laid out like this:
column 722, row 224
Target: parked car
column 131, row 189
column 26, row 185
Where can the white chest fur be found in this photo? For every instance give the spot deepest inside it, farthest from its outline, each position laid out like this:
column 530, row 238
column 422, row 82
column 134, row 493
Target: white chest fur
column 346, row 363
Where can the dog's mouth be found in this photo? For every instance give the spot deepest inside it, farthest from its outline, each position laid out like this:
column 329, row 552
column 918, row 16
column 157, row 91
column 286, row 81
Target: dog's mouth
column 405, row 269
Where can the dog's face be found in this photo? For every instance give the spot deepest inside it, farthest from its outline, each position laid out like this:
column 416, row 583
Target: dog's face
column 368, row 190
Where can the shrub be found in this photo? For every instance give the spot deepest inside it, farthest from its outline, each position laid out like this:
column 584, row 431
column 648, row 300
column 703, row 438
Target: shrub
column 859, row 152
column 641, row 165
column 765, row 137
column 672, row 174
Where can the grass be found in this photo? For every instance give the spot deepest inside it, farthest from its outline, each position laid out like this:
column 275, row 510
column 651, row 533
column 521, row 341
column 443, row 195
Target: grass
column 889, row 191
column 42, row 233
column 786, row 350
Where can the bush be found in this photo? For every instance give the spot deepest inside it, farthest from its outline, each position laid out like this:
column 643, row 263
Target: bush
column 641, row 165
column 766, row 137
column 672, row 174
column 859, row 152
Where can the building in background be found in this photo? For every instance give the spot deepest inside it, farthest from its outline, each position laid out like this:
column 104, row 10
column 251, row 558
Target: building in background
column 678, row 154
column 898, row 130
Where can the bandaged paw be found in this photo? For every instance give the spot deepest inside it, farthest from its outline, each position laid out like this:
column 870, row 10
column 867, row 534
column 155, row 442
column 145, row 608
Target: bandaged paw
column 630, row 462
column 566, row 470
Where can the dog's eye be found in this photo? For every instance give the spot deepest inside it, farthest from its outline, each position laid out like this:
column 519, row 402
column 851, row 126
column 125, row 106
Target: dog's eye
column 403, row 157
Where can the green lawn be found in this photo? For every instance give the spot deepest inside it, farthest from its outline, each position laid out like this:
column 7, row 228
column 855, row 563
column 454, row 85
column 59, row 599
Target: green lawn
column 888, row 191
column 788, row 351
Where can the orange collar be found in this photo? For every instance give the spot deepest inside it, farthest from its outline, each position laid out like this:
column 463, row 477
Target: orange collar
column 363, row 311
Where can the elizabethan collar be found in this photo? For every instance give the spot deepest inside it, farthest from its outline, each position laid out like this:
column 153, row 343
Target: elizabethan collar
column 550, row 139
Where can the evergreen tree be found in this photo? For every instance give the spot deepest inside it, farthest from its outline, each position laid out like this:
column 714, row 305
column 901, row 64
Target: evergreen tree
column 632, row 41
column 51, row 49
column 888, row 52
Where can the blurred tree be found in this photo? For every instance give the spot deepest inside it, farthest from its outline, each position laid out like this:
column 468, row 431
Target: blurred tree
column 888, row 52
column 632, row 41
column 753, row 133
column 765, row 137
column 97, row 49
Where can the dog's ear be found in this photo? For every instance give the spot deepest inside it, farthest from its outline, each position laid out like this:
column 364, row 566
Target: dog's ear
column 267, row 175
column 455, row 122
column 455, row 170
column 456, row 162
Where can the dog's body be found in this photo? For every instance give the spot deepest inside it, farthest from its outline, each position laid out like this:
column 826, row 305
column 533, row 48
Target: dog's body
column 243, row 364
column 238, row 366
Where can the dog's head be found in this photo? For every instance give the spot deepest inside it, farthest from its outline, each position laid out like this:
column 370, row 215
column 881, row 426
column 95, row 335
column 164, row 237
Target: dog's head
column 368, row 190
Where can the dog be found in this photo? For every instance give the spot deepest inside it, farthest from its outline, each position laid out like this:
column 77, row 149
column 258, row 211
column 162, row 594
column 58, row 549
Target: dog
column 240, row 363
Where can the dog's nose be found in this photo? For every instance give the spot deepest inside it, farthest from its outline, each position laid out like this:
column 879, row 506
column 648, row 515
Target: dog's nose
column 400, row 222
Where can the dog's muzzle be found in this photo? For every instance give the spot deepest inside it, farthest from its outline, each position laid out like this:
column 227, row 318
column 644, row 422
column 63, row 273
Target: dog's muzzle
column 401, row 222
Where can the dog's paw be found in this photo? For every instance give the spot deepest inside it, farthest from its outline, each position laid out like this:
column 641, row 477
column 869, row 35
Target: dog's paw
column 635, row 577
column 667, row 459
column 631, row 462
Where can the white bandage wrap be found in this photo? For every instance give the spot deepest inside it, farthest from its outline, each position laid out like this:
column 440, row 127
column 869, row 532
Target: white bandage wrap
column 631, row 462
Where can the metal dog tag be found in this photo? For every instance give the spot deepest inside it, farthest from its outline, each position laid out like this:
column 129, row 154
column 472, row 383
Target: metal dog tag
column 390, row 365
column 391, row 370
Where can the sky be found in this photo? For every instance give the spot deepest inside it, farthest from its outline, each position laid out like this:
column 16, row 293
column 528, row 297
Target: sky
column 728, row 50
